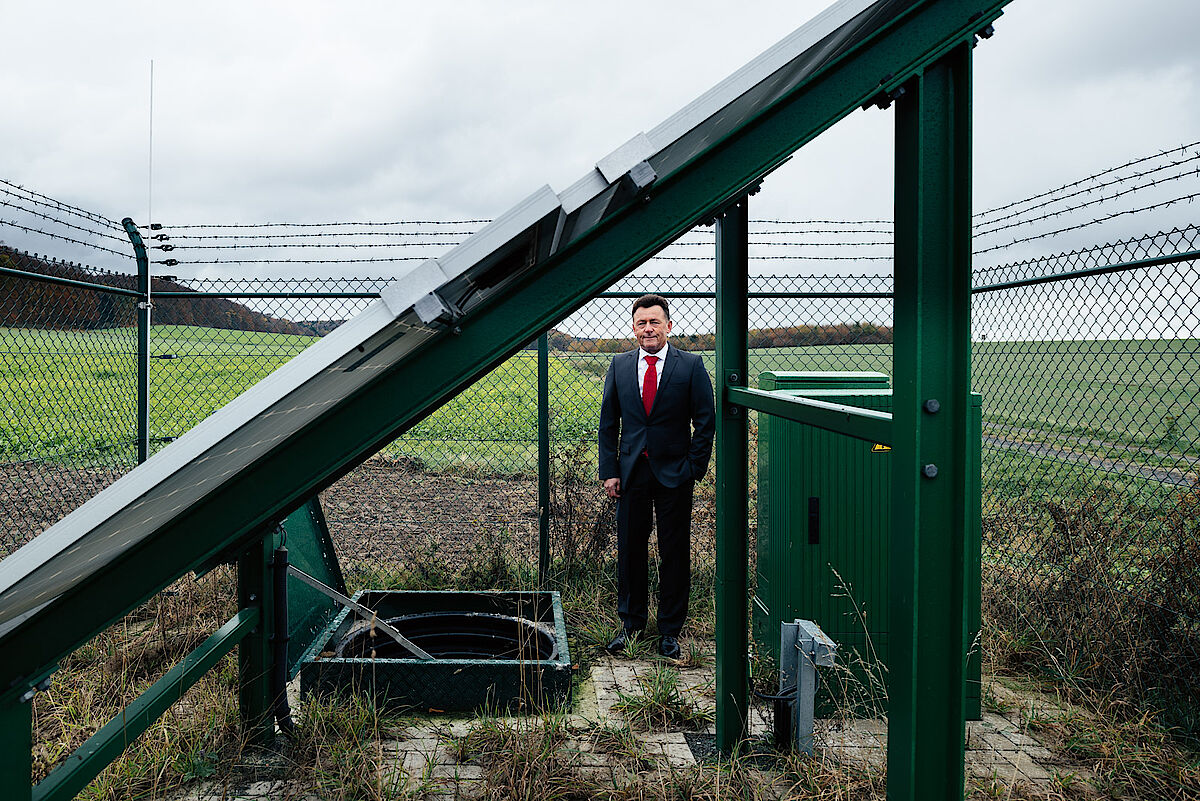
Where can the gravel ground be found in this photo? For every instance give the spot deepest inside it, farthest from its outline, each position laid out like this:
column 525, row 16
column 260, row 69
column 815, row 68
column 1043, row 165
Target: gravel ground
column 385, row 513
column 383, row 510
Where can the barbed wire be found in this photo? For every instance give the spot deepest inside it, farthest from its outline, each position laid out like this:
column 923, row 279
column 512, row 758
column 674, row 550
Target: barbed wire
column 780, row 257
column 303, row 261
column 1082, row 181
column 821, row 222
column 60, row 237
column 1087, row 204
column 1104, row 185
column 64, row 223
column 280, row 236
column 190, row 237
column 327, row 224
column 452, row 244
column 39, row 199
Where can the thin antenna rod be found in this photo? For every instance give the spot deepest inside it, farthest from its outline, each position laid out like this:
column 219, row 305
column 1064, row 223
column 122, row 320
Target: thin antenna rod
column 150, row 166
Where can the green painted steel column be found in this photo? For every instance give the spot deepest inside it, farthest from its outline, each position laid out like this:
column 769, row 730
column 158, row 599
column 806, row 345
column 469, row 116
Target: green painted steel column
column 255, row 653
column 16, row 749
column 143, row 368
column 733, row 550
column 932, row 372
column 543, row 457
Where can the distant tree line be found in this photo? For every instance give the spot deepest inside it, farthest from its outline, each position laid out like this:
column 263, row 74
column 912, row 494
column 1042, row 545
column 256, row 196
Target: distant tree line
column 32, row 304
column 857, row 333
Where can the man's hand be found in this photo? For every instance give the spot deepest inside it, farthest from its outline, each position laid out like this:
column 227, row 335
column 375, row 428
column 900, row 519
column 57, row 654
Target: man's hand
column 612, row 487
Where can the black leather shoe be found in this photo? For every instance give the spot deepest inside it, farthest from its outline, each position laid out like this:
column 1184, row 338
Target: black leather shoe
column 620, row 641
column 669, row 647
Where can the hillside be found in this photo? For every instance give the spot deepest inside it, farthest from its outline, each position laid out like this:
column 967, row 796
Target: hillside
column 31, row 304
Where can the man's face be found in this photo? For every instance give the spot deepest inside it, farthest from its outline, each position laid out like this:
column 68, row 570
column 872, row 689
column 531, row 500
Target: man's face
column 650, row 327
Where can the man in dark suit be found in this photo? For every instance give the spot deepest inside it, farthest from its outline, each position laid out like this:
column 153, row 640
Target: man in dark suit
column 656, row 431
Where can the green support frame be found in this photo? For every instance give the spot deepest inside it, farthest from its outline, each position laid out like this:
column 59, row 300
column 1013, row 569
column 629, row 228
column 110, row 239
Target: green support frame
column 65, row 782
column 733, row 542
column 932, row 383
column 255, row 656
column 931, row 41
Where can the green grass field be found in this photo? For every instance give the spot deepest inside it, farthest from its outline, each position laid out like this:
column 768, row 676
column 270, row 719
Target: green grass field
column 63, row 392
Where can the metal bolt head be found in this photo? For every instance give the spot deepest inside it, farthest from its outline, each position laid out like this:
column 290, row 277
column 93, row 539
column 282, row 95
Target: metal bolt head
column 933, row 405
column 930, row 470
column 734, row 378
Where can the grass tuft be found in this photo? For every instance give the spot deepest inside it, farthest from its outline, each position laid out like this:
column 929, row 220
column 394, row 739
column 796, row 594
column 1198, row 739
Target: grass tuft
column 662, row 702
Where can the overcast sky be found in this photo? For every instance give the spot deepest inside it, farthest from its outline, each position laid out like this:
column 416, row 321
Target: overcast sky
column 304, row 111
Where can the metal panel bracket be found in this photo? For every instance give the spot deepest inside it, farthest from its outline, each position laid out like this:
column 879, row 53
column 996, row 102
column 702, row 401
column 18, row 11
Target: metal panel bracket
column 803, row 647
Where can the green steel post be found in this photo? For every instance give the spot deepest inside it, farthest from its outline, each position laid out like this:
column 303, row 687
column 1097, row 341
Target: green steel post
column 543, row 458
column 143, row 368
column 932, row 375
column 733, row 560
column 255, row 653
column 16, row 749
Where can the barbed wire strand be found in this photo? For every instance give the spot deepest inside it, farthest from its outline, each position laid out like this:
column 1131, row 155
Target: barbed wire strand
column 1093, row 177
column 1088, row 204
column 128, row 254
column 7, row 187
column 64, row 223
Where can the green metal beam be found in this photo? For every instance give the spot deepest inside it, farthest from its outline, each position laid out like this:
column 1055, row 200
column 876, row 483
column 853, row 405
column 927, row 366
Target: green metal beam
column 86, row 762
column 1137, row 264
column 255, row 654
column 863, row 424
column 932, row 382
column 16, row 749
column 54, row 279
column 361, row 425
column 543, row 381
column 733, row 560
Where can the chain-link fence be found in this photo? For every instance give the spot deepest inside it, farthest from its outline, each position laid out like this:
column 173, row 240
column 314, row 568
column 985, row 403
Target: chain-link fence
column 1091, row 438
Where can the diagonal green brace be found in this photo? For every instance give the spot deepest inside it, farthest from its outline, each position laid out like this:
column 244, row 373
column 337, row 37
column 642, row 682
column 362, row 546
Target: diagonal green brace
column 86, row 762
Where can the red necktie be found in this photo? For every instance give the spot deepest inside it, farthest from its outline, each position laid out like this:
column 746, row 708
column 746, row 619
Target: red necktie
column 649, row 384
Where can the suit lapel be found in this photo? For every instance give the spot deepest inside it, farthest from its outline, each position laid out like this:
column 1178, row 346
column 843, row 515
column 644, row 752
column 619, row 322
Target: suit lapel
column 668, row 368
column 627, row 380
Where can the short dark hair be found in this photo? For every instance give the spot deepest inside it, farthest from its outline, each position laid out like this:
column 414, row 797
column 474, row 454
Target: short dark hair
column 646, row 301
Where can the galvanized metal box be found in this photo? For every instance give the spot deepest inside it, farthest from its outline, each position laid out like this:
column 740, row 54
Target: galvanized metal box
column 824, row 523
column 532, row 678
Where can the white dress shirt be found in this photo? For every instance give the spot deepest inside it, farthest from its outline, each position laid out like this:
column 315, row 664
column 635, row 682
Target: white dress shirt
column 644, row 365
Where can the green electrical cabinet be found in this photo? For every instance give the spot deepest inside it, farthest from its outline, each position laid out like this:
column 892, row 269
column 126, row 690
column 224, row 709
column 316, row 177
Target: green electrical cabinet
column 824, row 523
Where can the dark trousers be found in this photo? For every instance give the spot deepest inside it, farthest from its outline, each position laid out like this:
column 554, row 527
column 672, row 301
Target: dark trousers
column 672, row 508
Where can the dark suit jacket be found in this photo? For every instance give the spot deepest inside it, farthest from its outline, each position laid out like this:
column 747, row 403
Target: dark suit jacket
column 677, row 436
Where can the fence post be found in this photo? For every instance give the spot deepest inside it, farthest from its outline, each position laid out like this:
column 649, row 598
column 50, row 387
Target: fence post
column 932, row 369
column 143, row 368
column 543, row 458
column 733, row 558
column 255, row 652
